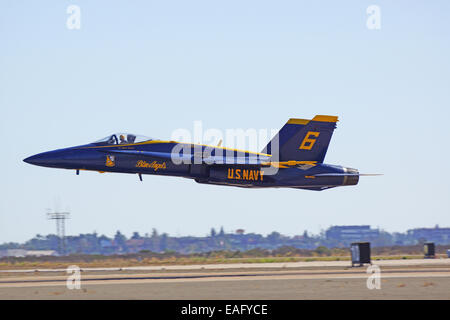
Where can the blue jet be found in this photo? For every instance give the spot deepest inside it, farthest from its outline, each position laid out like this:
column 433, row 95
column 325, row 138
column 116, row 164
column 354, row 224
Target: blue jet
column 292, row 159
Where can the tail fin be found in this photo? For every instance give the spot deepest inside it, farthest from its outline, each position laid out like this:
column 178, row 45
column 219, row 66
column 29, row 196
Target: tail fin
column 303, row 140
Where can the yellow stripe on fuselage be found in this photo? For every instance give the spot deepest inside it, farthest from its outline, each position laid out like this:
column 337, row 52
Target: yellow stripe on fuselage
column 287, row 164
column 161, row 141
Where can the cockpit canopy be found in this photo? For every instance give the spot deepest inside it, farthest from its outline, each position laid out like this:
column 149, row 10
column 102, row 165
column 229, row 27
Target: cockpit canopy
column 123, row 138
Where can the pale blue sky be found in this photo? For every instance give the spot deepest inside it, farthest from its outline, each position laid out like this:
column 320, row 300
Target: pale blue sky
column 151, row 67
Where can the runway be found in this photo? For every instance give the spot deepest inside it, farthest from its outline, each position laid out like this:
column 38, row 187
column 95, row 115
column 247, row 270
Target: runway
column 399, row 279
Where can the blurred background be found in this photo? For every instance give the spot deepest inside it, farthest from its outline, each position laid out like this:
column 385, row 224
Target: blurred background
column 151, row 67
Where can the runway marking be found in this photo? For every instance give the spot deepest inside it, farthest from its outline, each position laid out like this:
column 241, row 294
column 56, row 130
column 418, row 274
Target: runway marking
column 142, row 279
column 212, row 274
column 274, row 265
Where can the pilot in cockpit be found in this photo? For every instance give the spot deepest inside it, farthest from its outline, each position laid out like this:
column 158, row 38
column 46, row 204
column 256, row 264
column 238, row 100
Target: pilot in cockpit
column 112, row 139
column 122, row 139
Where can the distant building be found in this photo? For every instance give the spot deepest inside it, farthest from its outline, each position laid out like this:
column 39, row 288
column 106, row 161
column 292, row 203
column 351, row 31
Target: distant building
column 436, row 235
column 106, row 243
column 349, row 234
column 26, row 253
column 135, row 245
column 13, row 253
column 40, row 253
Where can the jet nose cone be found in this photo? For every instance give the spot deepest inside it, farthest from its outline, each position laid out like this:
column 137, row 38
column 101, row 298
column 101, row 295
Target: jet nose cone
column 46, row 159
column 32, row 160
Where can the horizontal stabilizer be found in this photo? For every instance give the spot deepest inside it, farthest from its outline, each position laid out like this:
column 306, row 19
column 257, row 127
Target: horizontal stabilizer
column 335, row 175
column 346, row 174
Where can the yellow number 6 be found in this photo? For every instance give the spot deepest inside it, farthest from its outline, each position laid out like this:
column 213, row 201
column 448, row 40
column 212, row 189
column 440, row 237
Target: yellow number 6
column 308, row 142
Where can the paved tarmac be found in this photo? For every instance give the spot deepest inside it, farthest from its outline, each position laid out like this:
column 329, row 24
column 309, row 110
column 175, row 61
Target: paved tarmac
column 399, row 279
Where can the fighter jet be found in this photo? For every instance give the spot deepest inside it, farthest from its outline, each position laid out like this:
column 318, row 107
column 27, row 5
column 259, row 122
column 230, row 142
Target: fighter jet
column 292, row 159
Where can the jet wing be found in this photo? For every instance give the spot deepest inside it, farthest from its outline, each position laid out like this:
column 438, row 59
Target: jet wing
column 335, row 175
column 252, row 160
column 346, row 174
